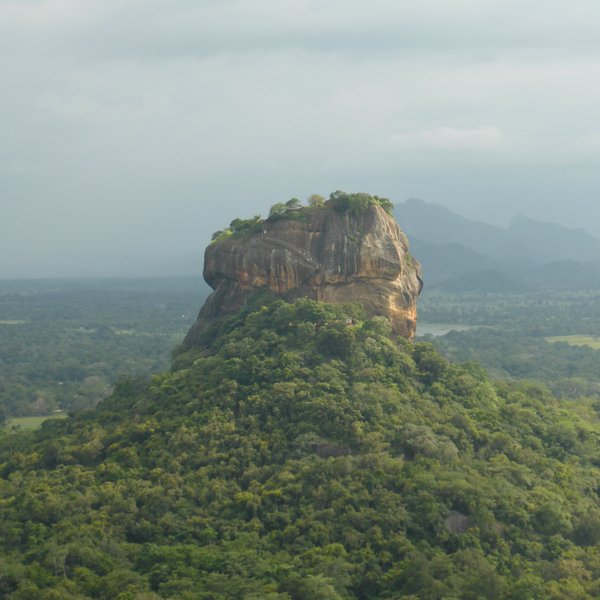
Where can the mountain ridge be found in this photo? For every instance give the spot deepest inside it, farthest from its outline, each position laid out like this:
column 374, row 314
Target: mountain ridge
column 524, row 237
column 455, row 250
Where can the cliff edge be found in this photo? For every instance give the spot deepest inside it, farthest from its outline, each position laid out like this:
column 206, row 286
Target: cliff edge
column 339, row 251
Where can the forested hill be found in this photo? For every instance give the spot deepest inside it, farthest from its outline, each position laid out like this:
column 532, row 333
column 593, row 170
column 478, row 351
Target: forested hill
column 305, row 454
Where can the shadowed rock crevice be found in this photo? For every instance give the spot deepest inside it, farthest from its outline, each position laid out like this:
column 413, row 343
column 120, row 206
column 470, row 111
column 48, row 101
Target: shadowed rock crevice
column 328, row 255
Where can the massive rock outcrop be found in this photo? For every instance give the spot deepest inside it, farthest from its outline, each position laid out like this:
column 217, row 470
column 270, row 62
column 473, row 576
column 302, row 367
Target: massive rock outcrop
column 320, row 253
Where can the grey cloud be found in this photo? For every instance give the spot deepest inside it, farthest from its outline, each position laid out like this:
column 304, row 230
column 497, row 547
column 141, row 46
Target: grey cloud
column 144, row 125
column 159, row 29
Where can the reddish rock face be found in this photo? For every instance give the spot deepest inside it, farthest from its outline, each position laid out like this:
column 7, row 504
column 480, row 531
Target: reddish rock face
column 327, row 255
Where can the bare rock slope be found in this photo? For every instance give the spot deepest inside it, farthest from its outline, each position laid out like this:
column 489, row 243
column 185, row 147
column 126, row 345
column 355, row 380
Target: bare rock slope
column 320, row 253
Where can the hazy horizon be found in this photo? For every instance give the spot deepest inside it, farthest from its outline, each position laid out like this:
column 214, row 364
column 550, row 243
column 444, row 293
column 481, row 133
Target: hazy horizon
column 119, row 264
column 136, row 129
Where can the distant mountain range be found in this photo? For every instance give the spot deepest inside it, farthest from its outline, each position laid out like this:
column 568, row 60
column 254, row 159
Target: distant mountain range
column 460, row 252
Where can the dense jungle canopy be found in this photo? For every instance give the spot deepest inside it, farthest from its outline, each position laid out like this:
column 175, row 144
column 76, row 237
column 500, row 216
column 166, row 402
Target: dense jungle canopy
column 302, row 452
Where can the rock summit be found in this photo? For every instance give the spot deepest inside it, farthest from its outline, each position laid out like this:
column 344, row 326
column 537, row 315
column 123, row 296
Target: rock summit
column 346, row 249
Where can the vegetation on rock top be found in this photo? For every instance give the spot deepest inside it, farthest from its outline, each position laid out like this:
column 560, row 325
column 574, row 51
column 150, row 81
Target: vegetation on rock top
column 293, row 209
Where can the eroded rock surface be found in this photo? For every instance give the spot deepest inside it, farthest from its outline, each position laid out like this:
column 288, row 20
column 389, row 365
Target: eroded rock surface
column 324, row 255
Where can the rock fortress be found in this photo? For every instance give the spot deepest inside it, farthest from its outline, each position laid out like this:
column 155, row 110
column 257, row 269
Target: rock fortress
column 346, row 249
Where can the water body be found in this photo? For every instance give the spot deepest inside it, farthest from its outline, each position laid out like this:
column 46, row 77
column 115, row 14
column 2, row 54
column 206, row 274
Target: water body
column 438, row 329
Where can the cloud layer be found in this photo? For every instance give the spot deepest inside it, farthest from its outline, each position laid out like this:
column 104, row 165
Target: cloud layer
column 142, row 126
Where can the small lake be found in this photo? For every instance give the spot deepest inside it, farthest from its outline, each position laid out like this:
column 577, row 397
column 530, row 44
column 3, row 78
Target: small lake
column 437, row 329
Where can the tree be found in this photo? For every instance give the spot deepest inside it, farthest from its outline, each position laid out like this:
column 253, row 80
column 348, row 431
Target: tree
column 385, row 204
column 293, row 204
column 277, row 210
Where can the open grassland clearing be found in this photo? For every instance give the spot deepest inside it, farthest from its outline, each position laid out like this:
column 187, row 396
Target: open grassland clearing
column 591, row 341
column 31, row 422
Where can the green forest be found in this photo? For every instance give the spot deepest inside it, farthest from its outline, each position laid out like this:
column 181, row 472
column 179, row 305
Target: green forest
column 297, row 457
column 64, row 343
column 514, row 335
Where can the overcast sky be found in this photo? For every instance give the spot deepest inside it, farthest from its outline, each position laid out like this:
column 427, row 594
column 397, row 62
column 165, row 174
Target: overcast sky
column 138, row 127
